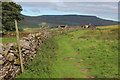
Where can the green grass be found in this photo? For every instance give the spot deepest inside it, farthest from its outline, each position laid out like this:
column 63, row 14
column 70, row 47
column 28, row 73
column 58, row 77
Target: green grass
column 100, row 56
column 6, row 40
column 31, row 29
column 41, row 65
column 99, row 52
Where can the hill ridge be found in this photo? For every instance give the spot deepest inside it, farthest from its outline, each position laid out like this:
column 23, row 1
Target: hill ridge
column 70, row 20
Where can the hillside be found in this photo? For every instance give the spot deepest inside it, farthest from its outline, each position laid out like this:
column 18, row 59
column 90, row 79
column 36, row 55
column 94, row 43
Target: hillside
column 71, row 20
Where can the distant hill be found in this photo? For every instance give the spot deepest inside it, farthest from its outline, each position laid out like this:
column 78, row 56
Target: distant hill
column 71, row 20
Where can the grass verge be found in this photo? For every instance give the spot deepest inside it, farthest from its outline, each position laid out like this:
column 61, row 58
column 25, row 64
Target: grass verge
column 40, row 67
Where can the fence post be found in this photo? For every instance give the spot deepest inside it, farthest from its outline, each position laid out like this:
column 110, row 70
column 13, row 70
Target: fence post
column 18, row 43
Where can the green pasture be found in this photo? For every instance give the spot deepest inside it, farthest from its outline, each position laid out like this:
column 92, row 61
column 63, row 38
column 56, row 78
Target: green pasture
column 6, row 40
column 12, row 39
column 77, row 54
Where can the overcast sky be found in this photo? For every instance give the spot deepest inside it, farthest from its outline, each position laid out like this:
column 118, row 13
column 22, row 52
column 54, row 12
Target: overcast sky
column 106, row 10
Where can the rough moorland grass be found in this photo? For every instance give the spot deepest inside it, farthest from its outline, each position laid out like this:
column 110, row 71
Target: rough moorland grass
column 108, row 27
column 90, row 50
column 109, row 34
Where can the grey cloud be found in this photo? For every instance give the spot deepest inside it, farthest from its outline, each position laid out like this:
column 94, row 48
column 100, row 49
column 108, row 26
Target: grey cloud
column 35, row 10
column 103, row 9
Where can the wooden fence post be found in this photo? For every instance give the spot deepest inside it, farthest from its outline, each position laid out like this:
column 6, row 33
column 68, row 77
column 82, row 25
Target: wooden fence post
column 18, row 43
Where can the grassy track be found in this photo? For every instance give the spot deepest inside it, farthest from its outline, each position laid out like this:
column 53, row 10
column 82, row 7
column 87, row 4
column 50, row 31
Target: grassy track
column 94, row 58
column 80, row 54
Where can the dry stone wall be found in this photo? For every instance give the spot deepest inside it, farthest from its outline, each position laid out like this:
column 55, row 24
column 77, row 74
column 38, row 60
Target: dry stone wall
column 9, row 56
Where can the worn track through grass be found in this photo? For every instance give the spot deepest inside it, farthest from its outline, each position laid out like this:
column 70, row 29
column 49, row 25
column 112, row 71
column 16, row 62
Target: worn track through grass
column 77, row 56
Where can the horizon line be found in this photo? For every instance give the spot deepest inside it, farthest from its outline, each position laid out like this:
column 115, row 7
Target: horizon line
column 70, row 14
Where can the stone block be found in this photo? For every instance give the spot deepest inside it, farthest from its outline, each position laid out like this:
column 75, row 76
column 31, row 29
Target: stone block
column 1, row 56
column 1, row 62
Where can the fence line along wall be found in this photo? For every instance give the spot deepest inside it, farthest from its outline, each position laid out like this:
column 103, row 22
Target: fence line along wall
column 9, row 55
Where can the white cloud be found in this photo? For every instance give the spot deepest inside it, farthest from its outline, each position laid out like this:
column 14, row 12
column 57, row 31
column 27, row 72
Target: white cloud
column 102, row 9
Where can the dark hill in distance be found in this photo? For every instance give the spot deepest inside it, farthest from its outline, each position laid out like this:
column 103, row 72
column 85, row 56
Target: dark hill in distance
column 71, row 20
